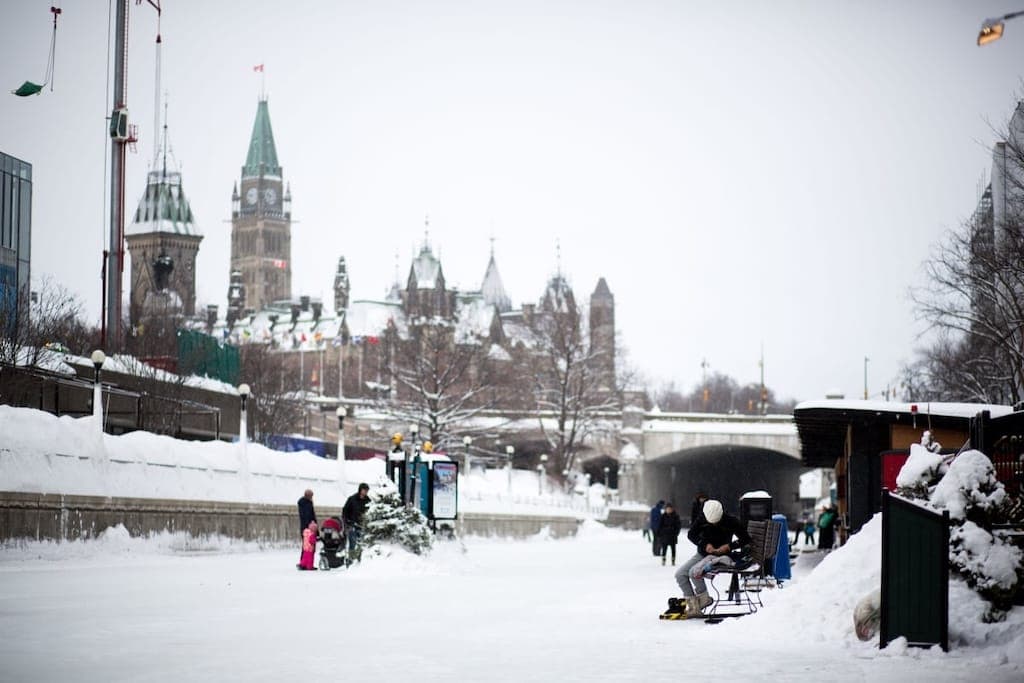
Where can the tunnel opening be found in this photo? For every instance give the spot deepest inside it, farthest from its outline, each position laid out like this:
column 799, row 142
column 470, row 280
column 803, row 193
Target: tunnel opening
column 725, row 473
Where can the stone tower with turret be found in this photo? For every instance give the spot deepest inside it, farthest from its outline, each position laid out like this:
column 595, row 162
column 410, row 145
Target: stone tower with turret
column 163, row 243
column 602, row 334
column 261, row 221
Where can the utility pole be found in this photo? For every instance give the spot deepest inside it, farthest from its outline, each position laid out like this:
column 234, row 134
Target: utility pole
column 764, row 392
column 704, row 380
column 866, row 359
column 111, row 330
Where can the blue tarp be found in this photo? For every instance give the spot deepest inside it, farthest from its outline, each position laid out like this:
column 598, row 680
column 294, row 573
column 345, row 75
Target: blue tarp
column 290, row 444
column 781, row 569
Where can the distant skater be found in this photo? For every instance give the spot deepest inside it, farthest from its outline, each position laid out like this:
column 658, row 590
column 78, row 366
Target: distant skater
column 668, row 532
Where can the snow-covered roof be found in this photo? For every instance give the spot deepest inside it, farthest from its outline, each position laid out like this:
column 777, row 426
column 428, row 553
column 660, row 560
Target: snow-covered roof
column 426, row 269
column 922, row 408
column 163, row 207
column 492, row 288
column 474, row 317
column 749, row 427
column 370, row 318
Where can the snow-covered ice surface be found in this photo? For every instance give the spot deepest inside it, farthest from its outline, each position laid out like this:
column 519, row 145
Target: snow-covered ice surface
column 582, row 609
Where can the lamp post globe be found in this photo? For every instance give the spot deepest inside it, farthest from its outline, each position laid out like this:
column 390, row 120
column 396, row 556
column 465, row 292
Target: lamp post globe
column 341, row 412
column 243, row 426
column 97, row 358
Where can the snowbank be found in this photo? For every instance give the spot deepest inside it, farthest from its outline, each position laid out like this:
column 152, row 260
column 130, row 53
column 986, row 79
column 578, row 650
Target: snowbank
column 817, row 607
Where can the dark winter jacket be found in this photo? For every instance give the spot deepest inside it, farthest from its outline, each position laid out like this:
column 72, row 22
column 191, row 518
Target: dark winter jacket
column 697, row 512
column 656, row 515
column 671, row 525
column 306, row 513
column 718, row 534
column 355, row 508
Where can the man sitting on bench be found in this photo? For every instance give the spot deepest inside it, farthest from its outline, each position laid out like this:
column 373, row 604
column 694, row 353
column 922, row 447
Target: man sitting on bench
column 713, row 536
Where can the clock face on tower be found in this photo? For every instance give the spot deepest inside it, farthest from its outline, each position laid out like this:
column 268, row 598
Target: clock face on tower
column 251, row 195
column 270, row 196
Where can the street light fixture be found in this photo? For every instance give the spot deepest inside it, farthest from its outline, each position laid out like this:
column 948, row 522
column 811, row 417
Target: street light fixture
column 97, row 358
column 243, row 422
column 341, row 412
column 992, row 29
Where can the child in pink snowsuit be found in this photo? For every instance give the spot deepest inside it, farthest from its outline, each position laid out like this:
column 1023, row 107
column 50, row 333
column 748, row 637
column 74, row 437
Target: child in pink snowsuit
column 308, row 546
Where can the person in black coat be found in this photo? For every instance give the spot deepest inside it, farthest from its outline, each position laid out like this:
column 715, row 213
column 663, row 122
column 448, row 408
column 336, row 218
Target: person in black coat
column 696, row 510
column 306, row 512
column 668, row 531
column 306, row 515
column 352, row 513
column 715, row 536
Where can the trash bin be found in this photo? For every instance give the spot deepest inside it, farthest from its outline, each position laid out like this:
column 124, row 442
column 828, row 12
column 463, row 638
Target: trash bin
column 781, row 570
column 755, row 506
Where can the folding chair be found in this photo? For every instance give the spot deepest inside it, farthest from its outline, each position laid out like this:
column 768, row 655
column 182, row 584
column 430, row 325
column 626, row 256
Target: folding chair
column 743, row 596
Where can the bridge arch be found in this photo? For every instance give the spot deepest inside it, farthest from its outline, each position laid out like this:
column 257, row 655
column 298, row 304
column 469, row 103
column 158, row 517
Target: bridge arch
column 724, row 471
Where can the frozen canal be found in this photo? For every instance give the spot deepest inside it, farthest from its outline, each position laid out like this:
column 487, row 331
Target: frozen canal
column 583, row 609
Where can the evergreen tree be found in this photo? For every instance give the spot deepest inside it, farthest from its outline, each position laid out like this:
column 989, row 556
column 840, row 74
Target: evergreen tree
column 389, row 520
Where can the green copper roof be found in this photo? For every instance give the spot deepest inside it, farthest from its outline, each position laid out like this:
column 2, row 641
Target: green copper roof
column 262, row 158
column 163, row 207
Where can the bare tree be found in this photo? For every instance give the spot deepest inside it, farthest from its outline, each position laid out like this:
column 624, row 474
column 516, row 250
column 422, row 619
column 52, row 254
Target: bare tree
column 441, row 382
column 49, row 318
column 566, row 378
column 974, row 300
column 275, row 406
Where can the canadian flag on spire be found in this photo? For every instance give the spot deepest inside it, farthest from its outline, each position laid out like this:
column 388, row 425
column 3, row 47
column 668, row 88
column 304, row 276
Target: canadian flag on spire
column 258, row 67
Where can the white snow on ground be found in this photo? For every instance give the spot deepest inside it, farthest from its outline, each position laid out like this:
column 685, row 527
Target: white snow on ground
column 175, row 608
column 583, row 609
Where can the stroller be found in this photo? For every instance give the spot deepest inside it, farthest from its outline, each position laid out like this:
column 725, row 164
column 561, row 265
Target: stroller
column 332, row 536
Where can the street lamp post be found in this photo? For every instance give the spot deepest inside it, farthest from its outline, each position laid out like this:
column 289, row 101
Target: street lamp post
column 243, row 421
column 98, row 358
column 341, row 412
column 466, row 441
column 414, row 430
column 540, row 473
column 510, row 451
column 992, row 29
column 866, row 359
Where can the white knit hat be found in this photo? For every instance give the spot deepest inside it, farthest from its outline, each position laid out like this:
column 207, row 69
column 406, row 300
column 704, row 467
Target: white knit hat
column 712, row 511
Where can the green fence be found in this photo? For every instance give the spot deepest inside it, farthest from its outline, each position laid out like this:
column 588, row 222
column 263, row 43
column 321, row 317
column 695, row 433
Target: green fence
column 915, row 573
column 201, row 354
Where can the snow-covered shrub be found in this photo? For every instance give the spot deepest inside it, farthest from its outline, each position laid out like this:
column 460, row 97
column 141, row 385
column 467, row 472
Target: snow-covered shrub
column 922, row 470
column 969, row 489
column 989, row 564
column 973, row 495
column 389, row 520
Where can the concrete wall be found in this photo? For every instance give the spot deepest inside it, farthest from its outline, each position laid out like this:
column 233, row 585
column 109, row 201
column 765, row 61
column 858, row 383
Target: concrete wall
column 515, row 526
column 627, row 519
column 35, row 516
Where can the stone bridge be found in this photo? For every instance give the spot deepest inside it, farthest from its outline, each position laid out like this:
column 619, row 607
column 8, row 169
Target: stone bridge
column 677, row 455
column 653, row 455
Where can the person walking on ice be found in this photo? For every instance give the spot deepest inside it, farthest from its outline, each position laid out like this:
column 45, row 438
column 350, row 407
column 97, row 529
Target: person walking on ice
column 715, row 535
column 668, row 532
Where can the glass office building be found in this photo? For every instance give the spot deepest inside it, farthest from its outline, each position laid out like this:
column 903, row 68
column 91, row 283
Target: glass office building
column 15, row 238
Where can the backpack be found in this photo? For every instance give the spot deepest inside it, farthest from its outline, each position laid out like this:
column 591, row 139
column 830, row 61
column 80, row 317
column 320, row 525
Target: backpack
column 826, row 519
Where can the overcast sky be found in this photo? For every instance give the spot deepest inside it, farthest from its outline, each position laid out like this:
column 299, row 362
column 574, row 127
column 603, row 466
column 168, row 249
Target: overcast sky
column 740, row 172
